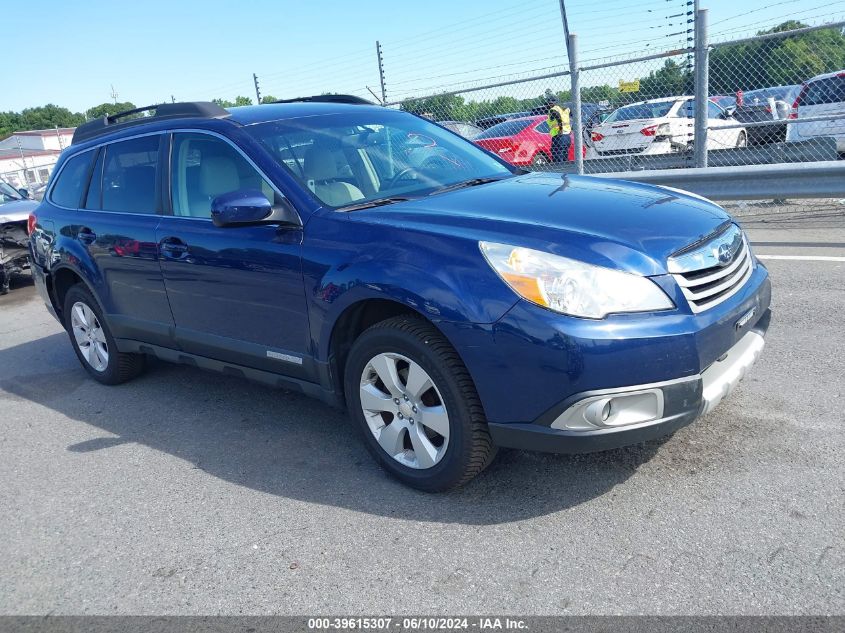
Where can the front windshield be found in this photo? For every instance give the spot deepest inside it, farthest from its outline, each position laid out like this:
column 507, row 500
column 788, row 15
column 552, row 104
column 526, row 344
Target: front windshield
column 8, row 193
column 640, row 111
column 372, row 154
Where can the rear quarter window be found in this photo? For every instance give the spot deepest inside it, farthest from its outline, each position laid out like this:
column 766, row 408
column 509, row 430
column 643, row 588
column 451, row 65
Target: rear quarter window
column 71, row 181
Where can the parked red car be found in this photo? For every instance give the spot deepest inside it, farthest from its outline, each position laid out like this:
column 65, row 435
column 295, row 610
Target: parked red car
column 524, row 142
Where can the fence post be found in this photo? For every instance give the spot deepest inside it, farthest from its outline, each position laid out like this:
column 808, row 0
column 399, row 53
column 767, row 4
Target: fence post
column 381, row 72
column 575, row 115
column 702, row 87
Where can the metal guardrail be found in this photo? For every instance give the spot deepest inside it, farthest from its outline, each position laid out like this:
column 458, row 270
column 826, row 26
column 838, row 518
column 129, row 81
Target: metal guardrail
column 812, row 150
column 823, row 179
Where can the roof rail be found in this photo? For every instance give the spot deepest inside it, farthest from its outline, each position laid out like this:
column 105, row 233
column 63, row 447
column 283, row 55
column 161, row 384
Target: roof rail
column 329, row 99
column 112, row 122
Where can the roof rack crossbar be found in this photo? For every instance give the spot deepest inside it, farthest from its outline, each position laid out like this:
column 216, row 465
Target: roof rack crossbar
column 109, row 123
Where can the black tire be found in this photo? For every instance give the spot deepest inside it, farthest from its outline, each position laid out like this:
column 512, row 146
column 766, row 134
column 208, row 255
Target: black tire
column 120, row 366
column 470, row 449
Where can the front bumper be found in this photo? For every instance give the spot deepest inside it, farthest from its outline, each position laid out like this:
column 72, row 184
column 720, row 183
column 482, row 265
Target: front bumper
column 658, row 409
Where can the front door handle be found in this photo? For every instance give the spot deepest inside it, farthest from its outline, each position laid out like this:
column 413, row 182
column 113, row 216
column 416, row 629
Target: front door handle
column 86, row 235
column 173, row 248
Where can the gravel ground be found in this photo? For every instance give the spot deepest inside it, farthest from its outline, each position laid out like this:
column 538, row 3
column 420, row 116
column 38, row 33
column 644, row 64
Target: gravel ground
column 186, row 492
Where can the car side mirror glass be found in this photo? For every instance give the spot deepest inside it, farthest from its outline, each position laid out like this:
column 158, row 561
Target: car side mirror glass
column 24, row 192
column 250, row 207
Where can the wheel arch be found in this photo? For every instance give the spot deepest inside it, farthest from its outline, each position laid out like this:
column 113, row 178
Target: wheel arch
column 60, row 280
column 354, row 321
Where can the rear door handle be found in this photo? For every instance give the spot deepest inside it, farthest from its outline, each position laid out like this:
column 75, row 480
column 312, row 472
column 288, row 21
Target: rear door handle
column 173, row 248
column 86, row 235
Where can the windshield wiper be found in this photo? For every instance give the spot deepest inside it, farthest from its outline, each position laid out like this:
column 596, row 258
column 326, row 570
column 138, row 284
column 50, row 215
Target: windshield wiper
column 472, row 182
column 380, row 202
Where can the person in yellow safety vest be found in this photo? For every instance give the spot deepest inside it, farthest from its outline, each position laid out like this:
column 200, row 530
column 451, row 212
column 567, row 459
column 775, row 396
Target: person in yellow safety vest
column 559, row 130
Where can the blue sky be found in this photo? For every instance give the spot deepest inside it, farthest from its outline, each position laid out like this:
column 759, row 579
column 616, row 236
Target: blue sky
column 72, row 53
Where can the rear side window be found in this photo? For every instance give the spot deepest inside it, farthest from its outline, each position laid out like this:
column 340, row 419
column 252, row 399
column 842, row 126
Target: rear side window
column 830, row 90
column 72, row 180
column 129, row 176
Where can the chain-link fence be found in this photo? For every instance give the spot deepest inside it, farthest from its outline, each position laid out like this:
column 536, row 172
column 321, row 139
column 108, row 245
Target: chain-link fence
column 777, row 97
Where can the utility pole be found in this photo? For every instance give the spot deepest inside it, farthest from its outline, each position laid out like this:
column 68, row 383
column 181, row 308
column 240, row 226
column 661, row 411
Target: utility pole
column 23, row 162
column 113, row 94
column 257, row 91
column 565, row 27
column 59, row 137
column 381, row 72
column 172, row 99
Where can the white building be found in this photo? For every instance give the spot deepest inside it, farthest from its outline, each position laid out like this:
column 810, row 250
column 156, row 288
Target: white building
column 27, row 158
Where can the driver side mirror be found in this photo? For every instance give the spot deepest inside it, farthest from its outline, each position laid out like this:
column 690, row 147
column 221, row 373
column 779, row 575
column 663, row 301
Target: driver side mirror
column 729, row 112
column 250, row 207
column 24, row 192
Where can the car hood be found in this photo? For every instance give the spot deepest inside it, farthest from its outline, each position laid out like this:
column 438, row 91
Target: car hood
column 613, row 223
column 17, row 211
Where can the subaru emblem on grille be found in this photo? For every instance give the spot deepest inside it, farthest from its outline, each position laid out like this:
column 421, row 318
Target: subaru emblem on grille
column 725, row 254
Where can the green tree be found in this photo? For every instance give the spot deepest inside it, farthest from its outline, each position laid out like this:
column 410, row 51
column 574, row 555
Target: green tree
column 269, row 99
column 106, row 109
column 239, row 101
column 778, row 61
column 48, row 116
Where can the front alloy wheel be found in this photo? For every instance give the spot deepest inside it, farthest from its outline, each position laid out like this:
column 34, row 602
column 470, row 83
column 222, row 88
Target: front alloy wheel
column 416, row 405
column 404, row 410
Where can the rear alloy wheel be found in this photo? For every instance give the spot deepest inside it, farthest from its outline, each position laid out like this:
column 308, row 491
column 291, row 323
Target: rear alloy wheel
column 416, row 405
column 92, row 340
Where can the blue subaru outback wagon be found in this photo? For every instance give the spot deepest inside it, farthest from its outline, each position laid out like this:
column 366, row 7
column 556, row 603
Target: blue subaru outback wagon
column 380, row 262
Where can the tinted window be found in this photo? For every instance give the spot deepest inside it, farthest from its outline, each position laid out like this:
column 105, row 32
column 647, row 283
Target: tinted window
column 129, row 175
column 93, row 200
column 71, row 181
column 641, row 111
column 830, row 90
column 505, row 128
column 543, row 128
column 204, row 167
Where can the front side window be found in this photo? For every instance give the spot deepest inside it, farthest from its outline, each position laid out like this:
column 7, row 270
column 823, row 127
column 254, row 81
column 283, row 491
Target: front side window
column 71, row 181
column 372, row 154
column 129, row 176
column 204, row 167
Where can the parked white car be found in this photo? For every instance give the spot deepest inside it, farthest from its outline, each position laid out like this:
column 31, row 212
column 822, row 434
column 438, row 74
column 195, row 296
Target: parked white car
column 823, row 95
column 662, row 126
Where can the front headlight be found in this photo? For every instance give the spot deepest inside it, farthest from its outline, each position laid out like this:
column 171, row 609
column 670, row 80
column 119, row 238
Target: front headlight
column 572, row 287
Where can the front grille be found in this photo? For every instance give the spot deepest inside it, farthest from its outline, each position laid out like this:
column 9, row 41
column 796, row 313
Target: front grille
column 708, row 287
